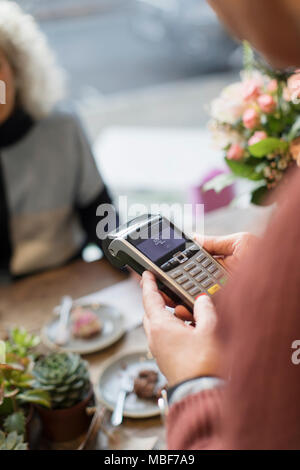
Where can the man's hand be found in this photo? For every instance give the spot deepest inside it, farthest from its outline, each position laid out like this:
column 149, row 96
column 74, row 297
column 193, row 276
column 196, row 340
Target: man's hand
column 231, row 248
column 182, row 351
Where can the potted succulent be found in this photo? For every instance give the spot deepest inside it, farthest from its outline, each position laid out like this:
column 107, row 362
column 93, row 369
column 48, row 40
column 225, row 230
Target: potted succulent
column 17, row 390
column 12, row 441
column 65, row 376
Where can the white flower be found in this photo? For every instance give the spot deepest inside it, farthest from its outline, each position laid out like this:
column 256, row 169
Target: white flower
column 229, row 106
column 253, row 75
column 224, row 136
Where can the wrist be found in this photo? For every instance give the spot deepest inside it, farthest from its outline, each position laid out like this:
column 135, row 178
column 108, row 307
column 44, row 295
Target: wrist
column 192, row 386
column 205, row 364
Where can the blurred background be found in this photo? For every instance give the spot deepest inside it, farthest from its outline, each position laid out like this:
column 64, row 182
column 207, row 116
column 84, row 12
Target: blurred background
column 142, row 73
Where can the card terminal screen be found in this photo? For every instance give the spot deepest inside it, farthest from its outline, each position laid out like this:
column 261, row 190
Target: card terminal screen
column 162, row 244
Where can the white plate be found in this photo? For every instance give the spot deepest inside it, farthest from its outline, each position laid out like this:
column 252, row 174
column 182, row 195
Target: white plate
column 109, row 384
column 112, row 331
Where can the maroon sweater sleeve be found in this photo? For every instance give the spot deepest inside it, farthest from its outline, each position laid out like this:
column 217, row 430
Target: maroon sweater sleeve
column 193, row 423
column 259, row 319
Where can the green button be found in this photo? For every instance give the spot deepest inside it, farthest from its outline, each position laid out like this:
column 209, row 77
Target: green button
column 223, row 281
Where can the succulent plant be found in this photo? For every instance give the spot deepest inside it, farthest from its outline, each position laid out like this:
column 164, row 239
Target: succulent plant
column 64, row 376
column 17, row 381
column 21, row 342
column 12, row 441
column 15, row 422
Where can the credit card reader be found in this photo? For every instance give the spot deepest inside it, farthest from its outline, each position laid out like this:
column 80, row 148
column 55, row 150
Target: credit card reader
column 183, row 269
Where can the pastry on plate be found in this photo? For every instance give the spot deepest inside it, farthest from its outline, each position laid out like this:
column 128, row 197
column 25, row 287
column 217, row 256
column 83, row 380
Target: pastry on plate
column 85, row 323
column 146, row 384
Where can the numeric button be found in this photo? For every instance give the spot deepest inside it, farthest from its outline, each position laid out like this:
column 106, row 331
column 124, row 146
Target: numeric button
column 201, row 277
column 188, row 285
column 200, row 258
column 211, row 269
column 195, row 290
column 182, row 279
column 195, row 271
column 207, row 283
column 189, row 266
column 206, row 262
column 218, row 274
column 176, row 273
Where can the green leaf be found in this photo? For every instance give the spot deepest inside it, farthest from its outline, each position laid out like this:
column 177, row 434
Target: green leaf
column 15, row 422
column 244, row 170
column 248, row 56
column 21, row 342
column 6, row 407
column 219, row 182
column 275, row 125
column 40, row 397
column 21, row 446
column 11, row 440
column 294, row 130
column 2, row 438
column 258, row 195
column 267, row 146
column 21, row 380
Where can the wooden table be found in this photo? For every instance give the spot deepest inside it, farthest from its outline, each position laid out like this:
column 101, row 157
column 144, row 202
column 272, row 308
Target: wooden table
column 30, row 302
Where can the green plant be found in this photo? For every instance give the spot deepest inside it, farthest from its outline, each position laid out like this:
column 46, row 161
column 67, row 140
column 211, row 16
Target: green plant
column 65, row 376
column 15, row 422
column 21, row 342
column 17, row 382
column 12, row 441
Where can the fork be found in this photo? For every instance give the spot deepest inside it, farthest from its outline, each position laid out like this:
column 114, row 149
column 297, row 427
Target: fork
column 126, row 387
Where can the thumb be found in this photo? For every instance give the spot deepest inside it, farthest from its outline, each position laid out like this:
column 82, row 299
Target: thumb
column 216, row 245
column 205, row 314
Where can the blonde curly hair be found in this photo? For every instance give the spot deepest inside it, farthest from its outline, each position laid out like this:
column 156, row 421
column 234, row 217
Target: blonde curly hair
column 40, row 82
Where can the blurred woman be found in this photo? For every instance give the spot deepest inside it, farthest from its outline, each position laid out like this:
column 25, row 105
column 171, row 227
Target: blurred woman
column 49, row 184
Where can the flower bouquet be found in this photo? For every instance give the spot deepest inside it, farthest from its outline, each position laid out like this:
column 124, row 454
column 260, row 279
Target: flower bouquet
column 257, row 123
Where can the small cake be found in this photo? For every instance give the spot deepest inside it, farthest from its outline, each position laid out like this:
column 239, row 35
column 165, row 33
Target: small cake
column 145, row 384
column 85, row 323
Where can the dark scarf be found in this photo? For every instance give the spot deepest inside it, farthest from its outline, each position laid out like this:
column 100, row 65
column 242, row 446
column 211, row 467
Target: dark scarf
column 15, row 128
column 11, row 131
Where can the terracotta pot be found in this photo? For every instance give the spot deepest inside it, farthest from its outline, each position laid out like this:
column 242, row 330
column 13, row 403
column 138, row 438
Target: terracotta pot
column 68, row 423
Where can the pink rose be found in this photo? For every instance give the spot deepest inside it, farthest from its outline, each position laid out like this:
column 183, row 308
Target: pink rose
column 257, row 137
column 250, row 118
column 235, row 152
column 266, row 103
column 292, row 92
column 272, row 86
column 251, row 90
